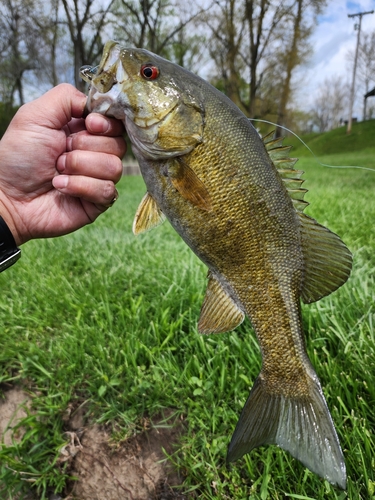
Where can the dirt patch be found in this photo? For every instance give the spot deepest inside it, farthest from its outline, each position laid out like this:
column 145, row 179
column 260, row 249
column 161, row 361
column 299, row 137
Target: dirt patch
column 136, row 469
column 12, row 409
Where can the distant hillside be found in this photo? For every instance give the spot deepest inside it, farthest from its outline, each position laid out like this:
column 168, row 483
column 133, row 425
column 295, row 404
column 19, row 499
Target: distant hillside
column 336, row 141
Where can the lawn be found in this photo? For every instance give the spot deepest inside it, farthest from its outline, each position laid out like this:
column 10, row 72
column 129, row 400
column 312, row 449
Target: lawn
column 103, row 319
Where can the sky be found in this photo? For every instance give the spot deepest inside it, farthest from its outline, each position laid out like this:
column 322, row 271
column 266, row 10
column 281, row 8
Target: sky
column 333, row 37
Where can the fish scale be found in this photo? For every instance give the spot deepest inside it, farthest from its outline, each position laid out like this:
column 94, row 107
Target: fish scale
column 238, row 202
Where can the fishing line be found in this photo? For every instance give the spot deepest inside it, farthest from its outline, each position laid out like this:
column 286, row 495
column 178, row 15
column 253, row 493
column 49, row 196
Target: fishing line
column 306, row 146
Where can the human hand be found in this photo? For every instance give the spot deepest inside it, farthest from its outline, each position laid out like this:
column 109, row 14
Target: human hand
column 57, row 170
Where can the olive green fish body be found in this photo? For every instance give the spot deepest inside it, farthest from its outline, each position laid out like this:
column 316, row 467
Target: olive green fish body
column 259, row 263
column 237, row 201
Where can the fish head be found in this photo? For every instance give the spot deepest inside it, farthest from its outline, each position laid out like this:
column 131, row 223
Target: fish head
column 162, row 110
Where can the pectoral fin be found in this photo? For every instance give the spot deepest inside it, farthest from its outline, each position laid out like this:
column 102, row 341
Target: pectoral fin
column 219, row 312
column 147, row 216
column 328, row 261
column 188, row 184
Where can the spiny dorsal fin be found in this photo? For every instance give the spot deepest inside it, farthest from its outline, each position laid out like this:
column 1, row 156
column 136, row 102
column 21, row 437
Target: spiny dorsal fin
column 300, row 205
column 268, row 137
column 293, row 183
column 291, row 177
column 219, row 312
column 279, row 152
column 286, row 170
column 272, row 142
column 147, row 216
column 328, row 261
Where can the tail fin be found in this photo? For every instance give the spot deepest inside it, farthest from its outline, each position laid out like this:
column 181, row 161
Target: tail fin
column 303, row 426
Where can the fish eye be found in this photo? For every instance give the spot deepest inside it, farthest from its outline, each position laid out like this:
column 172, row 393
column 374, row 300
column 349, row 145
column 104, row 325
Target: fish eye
column 149, row 71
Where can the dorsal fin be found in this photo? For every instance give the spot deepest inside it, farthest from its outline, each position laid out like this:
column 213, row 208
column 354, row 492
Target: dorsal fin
column 291, row 177
column 268, row 137
column 328, row 261
column 272, row 143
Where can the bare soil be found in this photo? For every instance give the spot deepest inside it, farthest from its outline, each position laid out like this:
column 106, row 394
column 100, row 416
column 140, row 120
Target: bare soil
column 134, row 469
column 13, row 408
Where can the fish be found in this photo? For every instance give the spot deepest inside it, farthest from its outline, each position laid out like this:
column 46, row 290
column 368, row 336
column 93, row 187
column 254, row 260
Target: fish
column 237, row 201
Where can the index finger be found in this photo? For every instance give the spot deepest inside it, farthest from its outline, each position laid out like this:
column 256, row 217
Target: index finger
column 103, row 125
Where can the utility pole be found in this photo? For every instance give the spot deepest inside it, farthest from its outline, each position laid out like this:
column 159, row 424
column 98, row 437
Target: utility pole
column 357, row 27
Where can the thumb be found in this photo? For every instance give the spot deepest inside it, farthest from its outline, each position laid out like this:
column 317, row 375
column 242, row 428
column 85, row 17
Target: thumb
column 57, row 107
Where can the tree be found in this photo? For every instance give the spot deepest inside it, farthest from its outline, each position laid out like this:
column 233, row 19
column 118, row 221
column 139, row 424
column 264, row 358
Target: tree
column 86, row 21
column 227, row 24
column 330, row 103
column 295, row 49
column 257, row 45
column 50, row 34
column 163, row 27
column 243, row 33
column 264, row 18
column 187, row 50
column 18, row 46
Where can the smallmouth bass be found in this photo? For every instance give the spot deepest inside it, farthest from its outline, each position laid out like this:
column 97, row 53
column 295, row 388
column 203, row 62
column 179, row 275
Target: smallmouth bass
column 237, row 201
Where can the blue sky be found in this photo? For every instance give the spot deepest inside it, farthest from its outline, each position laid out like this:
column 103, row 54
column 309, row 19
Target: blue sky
column 333, row 37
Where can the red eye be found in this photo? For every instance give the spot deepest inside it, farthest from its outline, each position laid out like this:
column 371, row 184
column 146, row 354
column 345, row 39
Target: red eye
column 149, row 72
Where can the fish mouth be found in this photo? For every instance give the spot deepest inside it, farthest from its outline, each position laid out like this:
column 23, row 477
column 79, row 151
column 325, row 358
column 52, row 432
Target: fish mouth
column 114, row 90
column 108, row 83
column 148, row 110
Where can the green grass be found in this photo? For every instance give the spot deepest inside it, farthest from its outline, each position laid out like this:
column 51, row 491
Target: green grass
column 361, row 138
column 108, row 320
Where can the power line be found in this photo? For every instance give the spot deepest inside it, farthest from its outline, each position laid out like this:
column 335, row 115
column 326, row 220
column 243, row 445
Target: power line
column 358, row 27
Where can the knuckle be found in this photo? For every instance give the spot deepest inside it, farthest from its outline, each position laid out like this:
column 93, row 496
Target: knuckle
column 72, row 162
column 78, row 141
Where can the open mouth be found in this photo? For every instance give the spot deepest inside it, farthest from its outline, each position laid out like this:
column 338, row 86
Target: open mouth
column 106, row 92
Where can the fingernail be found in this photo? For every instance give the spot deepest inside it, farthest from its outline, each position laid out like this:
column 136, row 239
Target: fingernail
column 97, row 124
column 60, row 181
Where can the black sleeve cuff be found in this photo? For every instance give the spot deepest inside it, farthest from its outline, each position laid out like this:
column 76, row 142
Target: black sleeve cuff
column 9, row 252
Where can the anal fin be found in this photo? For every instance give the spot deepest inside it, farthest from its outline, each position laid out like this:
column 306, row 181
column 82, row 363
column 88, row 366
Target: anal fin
column 302, row 426
column 148, row 215
column 219, row 312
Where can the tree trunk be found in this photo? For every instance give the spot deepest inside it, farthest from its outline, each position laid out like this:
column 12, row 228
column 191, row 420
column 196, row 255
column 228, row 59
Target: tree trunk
column 19, row 87
column 291, row 63
column 257, row 46
column 233, row 86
